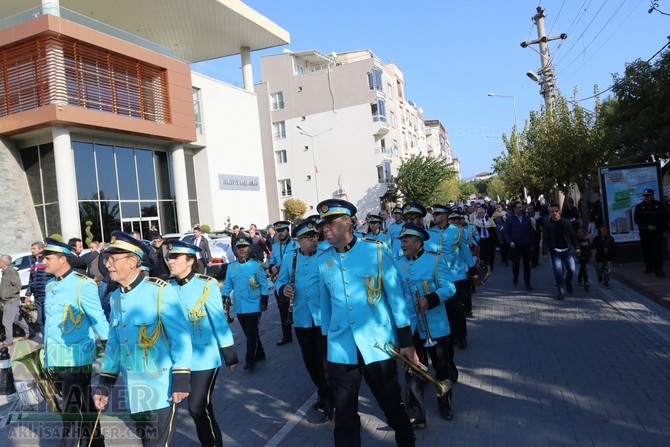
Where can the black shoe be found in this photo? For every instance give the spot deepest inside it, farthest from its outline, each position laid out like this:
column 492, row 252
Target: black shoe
column 259, row 357
column 318, row 404
column 528, row 286
column 568, row 287
column 660, row 274
column 447, row 413
column 249, row 366
column 515, row 281
column 606, row 285
column 284, row 341
column 328, row 415
column 418, row 423
column 586, row 287
column 462, row 343
column 600, row 278
column 647, row 271
column 560, row 297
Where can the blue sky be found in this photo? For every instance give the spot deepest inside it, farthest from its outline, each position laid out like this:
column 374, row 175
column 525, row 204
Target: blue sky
column 452, row 53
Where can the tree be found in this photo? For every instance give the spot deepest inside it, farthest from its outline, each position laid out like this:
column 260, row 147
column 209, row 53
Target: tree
column 419, row 178
column 467, row 190
column 637, row 122
column 295, row 209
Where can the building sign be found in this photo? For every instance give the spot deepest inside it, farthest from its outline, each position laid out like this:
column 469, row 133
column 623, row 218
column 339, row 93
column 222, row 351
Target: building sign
column 239, row 182
column 622, row 188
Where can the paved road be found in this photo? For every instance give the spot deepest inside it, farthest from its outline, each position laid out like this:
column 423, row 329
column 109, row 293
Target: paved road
column 593, row 370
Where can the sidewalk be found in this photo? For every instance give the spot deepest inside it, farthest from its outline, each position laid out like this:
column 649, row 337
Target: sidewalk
column 655, row 288
column 588, row 371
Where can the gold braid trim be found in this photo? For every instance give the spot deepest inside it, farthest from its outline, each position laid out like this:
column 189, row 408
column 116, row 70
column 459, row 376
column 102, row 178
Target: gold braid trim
column 375, row 293
column 145, row 341
column 426, row 288
column 198, row 311
column 68, row 313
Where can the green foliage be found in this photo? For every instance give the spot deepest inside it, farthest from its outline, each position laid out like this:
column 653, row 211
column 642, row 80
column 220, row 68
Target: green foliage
column 205, row 228
column 467, row 191
column 448, row 191
column 295, row 209
column 87, row 231
column 419, row 178
column 57, row 236
column 559, row 147
column 637, row 122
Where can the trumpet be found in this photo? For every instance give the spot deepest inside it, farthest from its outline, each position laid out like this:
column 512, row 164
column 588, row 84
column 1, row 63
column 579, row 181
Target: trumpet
column 43, row 378
column 421, row 316
column 419, row 370
column 226, row 308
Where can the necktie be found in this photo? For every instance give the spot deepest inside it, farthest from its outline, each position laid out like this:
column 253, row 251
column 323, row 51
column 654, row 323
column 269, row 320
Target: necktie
column 485, row 231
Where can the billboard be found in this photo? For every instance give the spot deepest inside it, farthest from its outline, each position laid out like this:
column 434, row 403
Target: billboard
column 622, row 188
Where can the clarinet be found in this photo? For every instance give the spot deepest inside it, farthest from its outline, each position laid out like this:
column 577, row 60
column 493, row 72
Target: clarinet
column 291, row 282
column 226, row 309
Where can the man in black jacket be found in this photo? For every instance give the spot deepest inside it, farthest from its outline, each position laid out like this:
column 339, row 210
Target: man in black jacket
column 652, row 221
column 560, row 242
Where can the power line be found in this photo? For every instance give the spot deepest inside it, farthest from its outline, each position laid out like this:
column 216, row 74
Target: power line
column 551, row 28
column 575, row 41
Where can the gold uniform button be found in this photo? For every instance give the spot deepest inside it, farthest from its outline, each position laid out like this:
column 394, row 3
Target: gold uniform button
column 129, row 368
column 344, row 268
column 351, row 308
column 346, row 281
column 348, row 294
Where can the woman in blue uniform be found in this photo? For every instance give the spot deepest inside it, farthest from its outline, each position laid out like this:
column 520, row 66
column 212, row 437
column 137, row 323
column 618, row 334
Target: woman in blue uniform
column 199, row 295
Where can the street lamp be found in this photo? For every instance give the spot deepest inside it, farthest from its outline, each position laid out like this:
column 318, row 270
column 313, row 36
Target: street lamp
column 516, row 122
column 316, row 171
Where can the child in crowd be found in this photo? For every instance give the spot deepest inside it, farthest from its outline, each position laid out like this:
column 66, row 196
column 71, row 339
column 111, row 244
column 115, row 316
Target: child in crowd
column 604, row 246
column 584, row 258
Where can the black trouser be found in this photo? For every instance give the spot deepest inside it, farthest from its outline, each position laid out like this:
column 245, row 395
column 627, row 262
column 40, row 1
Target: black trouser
column 249, row 323
column 535, row 254
column 200, row 407
column 652, row 250
column 456, row 309
column 518, row 253
column 313, row 347
column 200, row 267
column 504, row 253
column 156, row 427
column 487, row 251
column 74, row 384
column 583, row 274
column 282, row 304
column 442, row 358
column 382, row 378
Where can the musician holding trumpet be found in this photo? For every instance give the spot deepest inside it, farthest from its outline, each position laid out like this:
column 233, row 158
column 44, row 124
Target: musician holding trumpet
column 298, row 284
column 428, row 284
column 362, row 310
column 283, row 248
column 210, row 334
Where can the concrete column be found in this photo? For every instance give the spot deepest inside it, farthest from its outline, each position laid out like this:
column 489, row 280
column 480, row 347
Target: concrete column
column 51, row 7
column 181, row 188
column 66, row 182
column 247, row 73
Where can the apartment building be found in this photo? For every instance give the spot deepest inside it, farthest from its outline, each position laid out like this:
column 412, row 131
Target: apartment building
column 103, row 125
column 335, row 126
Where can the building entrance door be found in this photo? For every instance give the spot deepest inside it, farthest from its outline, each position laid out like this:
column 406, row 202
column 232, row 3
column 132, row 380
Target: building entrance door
column 142, row 225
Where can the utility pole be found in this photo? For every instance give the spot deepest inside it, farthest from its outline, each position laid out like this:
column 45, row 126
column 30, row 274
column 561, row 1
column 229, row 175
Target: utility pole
column 546, row 79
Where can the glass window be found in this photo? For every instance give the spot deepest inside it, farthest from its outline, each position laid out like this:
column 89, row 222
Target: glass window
column 149, row 209
column 378, row 109
column 393, row 119
column 145, row 174
column 197, row 108
column 285, row 187
column 130, row 210
column 279, row 129
column 384, row 172
column 280, row 156
column 127, row 174
column 52, row 213
column 104, row 159
column 375, row 79
column 89, row 212
column 48, row 162
column 31, row 165
column 109, row 215
column 193, row 208
column 163, row 175
column 277, row 100
column 168, row 217
column 190, row 177
column 84, row 162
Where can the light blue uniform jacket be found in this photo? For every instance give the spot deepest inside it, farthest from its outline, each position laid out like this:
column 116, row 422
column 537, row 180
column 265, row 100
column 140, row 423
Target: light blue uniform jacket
column 394, row 231
column 349, row 319
column 430, row 274
column 306, row 301
column 153, row 372
column 281, row 251
column 456, row 251
column 381, row 237
column 72, row 310
column 436, row 242
column 249, row 282
column 203, row 309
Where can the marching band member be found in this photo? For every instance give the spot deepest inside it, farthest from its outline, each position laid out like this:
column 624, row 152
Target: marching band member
column 426, row 279
column 374, row 231
column 436, row 232
column 246, row 277
column 149, row 341
column 284, row 247
column 299, row 281
column 393, row 231
column 210, row 334
column 414, row 213
column 73, row 312
column 362, row 309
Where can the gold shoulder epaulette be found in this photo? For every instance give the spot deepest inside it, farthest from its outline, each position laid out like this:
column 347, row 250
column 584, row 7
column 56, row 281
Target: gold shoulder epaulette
column 81, row 275
column 204, row 277
column 325, row 250
column 436, row 253
column 156, row 281
column 375, row 241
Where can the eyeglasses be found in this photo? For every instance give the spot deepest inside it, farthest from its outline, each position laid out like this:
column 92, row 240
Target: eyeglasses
column 309, row 236
column 113, row 261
